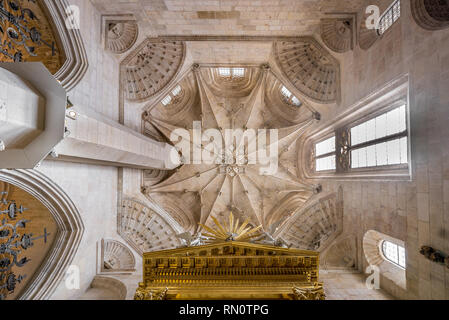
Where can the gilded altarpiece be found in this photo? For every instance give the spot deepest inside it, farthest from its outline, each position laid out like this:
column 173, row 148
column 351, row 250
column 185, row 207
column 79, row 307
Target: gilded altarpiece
column 231, row 270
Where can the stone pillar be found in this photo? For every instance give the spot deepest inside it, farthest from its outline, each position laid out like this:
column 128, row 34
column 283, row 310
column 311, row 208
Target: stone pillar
column 99, row 140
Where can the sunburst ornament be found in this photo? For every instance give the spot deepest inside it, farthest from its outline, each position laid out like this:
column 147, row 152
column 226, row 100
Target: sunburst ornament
column 233, row 231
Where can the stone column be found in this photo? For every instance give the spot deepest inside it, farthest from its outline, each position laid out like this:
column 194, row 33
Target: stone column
column 96, row 139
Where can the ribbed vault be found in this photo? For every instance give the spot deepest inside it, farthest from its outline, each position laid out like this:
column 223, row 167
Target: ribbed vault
column 195, row 192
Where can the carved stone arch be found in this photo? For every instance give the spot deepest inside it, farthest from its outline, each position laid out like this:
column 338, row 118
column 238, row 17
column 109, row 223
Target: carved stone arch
column 121, row 36
column 310, row 68
column 337, row 34
column 105, row 288
column 151, row 67
column 431, row 14
column 76, row 61
column 116, row 257
column 48, row 40
column 70, row 230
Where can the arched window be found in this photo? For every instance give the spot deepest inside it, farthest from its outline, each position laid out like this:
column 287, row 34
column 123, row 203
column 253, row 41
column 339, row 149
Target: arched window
column 289, row 97
column 394, row 253
column 390, row 16
column 325, row 157
column 173, row 96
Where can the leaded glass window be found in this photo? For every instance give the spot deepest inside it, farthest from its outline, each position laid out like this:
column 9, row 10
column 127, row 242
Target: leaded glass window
column 394, row 253
column 325, row 157
column 391, row 15
column 381, row 141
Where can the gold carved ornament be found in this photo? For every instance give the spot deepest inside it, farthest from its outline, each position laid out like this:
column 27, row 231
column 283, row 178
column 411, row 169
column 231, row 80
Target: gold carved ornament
column 26, row 35
column 230, row 265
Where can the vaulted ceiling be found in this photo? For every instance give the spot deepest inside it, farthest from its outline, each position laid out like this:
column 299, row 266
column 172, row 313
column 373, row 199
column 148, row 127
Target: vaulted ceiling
column 157, row 67
column 229, row 17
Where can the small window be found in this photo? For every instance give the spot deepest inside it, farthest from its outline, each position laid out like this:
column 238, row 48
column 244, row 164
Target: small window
column 382, row 141
column 238, row 72
column 325, row 157
column 289, row 97
column 391, row 15
column 176, row 91
column 167, row 100
column 173, row 97
column 224, row 72
column 394, row 253
column 234, row 73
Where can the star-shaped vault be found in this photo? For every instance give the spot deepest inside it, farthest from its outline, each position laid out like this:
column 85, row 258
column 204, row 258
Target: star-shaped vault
column 195, row 192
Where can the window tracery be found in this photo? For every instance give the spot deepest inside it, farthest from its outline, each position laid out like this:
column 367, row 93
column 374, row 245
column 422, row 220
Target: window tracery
column 379, row 141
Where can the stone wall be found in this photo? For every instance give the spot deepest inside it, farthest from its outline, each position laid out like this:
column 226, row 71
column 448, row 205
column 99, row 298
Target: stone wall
column 92, row 188
column 417, row 211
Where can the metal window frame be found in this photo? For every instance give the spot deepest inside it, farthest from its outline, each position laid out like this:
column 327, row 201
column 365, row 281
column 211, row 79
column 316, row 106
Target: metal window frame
column 384, row 242
column 327, row 155
column 403, row 134
column 389, row 11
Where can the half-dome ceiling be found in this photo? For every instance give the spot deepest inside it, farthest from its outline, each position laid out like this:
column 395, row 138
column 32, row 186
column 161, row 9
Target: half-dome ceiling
column 151, row 67
column 337, row 34
column 121, row 36
column 310, row 68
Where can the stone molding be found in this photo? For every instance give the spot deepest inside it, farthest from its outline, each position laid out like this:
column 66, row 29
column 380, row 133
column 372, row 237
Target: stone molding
column 70, row 230
column 76, row 63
